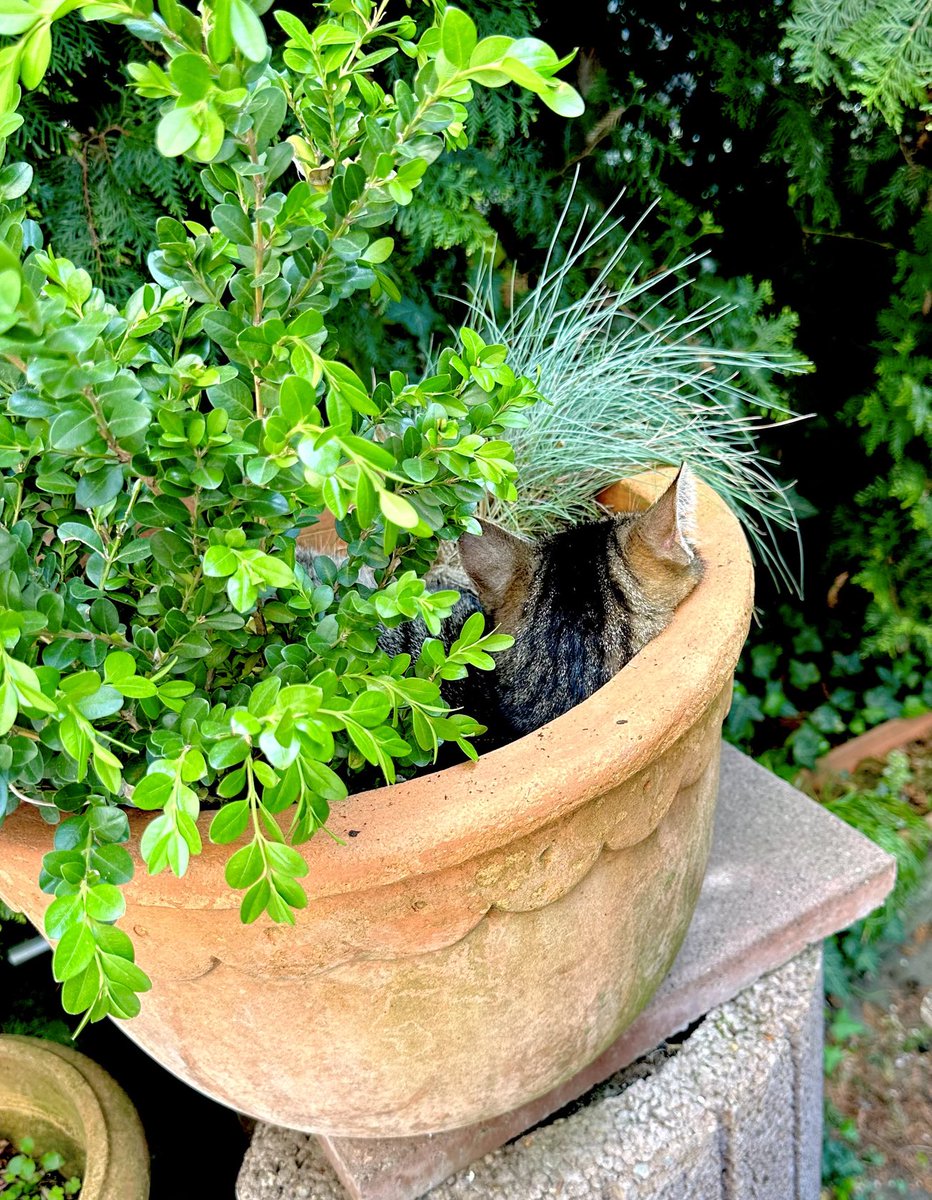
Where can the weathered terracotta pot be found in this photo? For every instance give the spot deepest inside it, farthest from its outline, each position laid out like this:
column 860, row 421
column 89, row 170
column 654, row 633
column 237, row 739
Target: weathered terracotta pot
column 484, row 932
column 66, row 1102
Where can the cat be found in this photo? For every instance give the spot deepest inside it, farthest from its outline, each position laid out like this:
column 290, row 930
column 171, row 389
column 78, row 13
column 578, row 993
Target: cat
column 579, row 604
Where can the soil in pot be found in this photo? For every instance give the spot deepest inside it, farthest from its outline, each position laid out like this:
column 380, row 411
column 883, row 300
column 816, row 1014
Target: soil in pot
column 26, row 1173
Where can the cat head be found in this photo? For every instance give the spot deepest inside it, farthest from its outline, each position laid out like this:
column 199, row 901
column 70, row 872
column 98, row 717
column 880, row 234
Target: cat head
column 581, row 603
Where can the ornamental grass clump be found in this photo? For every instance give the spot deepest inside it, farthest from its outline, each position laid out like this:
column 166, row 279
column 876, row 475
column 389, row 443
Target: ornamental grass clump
column 159, row 646
column 630, row 383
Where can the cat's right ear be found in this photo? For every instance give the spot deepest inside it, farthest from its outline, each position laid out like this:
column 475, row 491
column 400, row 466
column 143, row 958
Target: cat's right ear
column 499, row 564
column 665, row 528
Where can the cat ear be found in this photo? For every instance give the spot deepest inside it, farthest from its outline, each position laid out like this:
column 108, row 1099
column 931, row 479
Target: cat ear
column 497, row 563
column 665, row 528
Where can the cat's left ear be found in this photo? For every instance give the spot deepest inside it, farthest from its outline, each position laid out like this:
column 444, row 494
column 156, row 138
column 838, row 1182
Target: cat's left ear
column 499, row 564
column 666, row 527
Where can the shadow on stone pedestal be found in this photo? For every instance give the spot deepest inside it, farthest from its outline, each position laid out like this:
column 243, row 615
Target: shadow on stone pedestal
column 783, row 875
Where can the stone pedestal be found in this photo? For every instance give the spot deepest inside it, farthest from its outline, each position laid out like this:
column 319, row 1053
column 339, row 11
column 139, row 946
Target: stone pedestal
column 734, row 1114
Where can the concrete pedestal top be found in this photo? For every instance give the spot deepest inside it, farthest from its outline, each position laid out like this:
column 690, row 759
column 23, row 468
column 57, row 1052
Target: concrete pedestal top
column 783, row 874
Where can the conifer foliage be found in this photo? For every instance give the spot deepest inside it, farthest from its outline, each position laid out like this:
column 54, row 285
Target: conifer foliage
column 880, row 50
column 100, row 183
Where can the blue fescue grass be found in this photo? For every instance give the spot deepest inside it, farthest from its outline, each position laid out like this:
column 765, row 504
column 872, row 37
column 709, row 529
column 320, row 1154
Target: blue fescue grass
column 629, row 387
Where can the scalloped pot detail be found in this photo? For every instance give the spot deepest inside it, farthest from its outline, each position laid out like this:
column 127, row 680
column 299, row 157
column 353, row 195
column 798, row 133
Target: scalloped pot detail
column 487, row 931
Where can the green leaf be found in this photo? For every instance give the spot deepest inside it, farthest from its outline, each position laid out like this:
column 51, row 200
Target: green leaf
column 245, row 866
column 99, row 488
column 255, row 902
column 490, row 50
column 61, row 913
column 269, row 109
column 370, row 708
column 73, row 952
column 286, row 859
column 233, row 224
column 324, row 781
column 219, row 562
column 15, row 180
column 152, row 791
column 80, row 991
column 457, row 37
column 105, row 701
column 118, row 969
column 526, row 76
column 78, row 532
column 275, row 572
column 191, row 76
column 247, row 31
column 16, row 16
column 36, row 53
column 105, row 902
column 11, row 284
column 230, row 822
column 398, row 510
column 242, row 591
column 379, row 250
column 564, row 100
column 113, row 863
column 119, row 665
column 109, row 823
column 421, row 470
column 177, row 131
column 220, row 41
column 74, row 430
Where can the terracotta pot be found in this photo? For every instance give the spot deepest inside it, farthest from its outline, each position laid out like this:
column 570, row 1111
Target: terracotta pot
column 484, row 932
column 323, row 537
column 66, row 1102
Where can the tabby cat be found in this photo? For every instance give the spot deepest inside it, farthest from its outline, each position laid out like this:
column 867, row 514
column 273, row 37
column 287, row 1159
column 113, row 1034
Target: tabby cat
column 579, row 604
